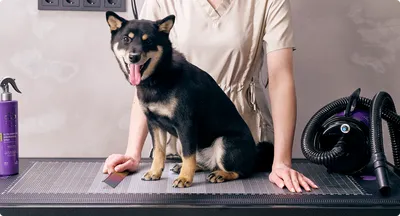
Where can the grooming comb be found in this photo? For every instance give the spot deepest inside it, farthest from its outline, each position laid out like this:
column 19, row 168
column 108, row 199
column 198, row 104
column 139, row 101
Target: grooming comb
column 115, row 178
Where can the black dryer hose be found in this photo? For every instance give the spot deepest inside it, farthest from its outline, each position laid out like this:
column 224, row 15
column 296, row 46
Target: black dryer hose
column 383, row 100
column 380, row 107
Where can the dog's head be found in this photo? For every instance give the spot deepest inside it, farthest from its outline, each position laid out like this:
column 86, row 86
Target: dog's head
column 138, row 44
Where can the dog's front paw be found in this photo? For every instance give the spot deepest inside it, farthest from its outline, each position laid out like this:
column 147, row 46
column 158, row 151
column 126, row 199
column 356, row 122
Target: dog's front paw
column 177, row 168
column 152, row 175
column 182, row 182
column 216, row 177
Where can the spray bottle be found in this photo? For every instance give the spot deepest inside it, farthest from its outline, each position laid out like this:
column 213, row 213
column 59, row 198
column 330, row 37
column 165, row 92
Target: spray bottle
column 9, row 158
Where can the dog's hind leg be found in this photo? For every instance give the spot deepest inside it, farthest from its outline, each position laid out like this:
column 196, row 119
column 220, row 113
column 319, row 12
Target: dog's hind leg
column 234, row 158
column 172, row 152
column 159, row 138
column 177, row 168
column 219, row 176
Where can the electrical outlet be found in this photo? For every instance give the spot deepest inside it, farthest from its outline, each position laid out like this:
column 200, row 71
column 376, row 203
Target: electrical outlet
column 82, row 5
column 113, row 3
column 92, row 4
column 48, row 4
column 71, row 3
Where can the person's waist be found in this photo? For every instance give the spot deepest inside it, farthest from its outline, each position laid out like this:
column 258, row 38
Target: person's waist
column 239, row 86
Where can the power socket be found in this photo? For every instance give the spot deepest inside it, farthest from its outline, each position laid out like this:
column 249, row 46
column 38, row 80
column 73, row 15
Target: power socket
column 113, row 3
column 71, row 3
column 92, row 3
column 83, row 5
column 48, row 4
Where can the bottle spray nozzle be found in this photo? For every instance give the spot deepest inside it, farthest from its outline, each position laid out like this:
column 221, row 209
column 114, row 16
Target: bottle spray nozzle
column 6, row 95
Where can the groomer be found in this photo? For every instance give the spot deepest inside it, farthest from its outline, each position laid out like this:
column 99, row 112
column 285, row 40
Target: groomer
column 231, row 39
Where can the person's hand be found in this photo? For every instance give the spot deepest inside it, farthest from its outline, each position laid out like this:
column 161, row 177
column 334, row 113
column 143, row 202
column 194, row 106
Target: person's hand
column 120, row 163
column 283, row 175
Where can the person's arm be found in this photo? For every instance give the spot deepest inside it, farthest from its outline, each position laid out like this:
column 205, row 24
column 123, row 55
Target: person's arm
column 137, row 134
column 279, row 48
column 283, row 103
column 283, row 109
column 279, row 45
column 138, row 131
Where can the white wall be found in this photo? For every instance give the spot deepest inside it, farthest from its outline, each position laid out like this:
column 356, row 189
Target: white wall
column 75, row 102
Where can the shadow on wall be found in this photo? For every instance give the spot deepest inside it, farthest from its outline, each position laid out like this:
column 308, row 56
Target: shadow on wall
column 75, row 102
column 343, row 45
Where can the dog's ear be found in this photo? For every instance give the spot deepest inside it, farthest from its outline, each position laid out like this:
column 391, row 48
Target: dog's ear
column 165, row 25
column 114, row 21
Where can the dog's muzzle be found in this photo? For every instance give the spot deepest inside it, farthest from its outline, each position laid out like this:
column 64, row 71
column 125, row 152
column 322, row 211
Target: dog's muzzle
column 134, row 57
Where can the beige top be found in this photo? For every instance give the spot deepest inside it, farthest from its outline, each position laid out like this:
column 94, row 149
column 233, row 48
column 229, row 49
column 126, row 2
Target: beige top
column 228, row 44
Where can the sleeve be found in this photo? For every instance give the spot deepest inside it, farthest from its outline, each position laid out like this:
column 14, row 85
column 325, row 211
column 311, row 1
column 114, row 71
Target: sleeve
column 151, row 10
column 278, row 28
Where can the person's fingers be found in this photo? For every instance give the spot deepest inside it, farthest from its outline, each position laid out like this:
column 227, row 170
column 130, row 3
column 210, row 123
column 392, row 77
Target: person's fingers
column 276, row 180
column 303, row 183
column 114, row 161
column 294, row 176
column 106, row 163
column 127, row 165
column 105, row 167
column 287, row 179
column 309, row 182
column 110, row 168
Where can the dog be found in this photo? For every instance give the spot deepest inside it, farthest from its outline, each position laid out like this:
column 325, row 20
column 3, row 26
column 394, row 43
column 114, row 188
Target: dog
column 180, row 99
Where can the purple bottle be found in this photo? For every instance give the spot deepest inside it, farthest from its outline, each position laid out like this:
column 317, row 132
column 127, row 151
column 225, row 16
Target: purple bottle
column 9, row 159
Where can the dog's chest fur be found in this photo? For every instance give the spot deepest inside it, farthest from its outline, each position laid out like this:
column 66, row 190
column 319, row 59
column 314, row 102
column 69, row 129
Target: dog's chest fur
column 157, row 104
column 164, row 108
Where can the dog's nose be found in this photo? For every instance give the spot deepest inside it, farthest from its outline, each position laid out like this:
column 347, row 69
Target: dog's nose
column 134, row 57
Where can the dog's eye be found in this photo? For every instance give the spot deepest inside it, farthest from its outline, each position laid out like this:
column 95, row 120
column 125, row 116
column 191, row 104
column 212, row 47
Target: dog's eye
column 148, row 41
column 126, row 39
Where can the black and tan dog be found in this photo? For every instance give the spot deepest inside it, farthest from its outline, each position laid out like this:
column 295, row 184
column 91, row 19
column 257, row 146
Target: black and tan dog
column 181, row 99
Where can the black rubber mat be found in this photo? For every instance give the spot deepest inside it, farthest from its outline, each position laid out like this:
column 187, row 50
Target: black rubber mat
column 71, row 182
column 86, row 178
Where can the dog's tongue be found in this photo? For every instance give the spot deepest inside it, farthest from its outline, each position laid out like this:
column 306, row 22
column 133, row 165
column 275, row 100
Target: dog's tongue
column 134, row 74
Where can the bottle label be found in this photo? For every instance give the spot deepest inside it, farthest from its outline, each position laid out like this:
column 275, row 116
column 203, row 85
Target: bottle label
column 9, row 144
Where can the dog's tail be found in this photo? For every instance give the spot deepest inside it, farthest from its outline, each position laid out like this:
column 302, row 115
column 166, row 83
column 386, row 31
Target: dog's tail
column 265, row 157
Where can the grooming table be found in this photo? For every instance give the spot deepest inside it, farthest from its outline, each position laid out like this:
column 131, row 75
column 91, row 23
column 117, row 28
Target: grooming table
column 76, row 187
